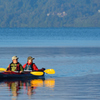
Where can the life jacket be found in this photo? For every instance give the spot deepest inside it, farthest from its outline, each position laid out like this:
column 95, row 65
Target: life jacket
column 29, row 67
column 17, row 67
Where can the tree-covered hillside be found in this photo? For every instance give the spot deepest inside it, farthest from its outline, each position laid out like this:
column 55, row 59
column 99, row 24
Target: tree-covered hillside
column 49, row 13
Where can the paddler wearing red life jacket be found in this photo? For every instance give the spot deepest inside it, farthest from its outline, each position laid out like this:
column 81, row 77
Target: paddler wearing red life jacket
column 31, row 66
column 15, row 65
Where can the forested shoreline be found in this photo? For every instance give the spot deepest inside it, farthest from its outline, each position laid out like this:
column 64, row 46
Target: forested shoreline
column 49, row 13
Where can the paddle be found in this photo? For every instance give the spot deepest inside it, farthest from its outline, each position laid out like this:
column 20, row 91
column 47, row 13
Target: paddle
column 37, row 73
column 33, row 73
column 49, row 71
column 2, row 69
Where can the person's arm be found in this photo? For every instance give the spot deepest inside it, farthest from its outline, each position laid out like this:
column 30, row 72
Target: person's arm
column 8, row 68
column 21, row 68
column 35, row 67
column 24, row 66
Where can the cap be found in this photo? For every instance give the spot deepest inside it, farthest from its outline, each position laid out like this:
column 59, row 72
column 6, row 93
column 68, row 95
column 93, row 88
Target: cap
column 14, row 57
column 30, row 58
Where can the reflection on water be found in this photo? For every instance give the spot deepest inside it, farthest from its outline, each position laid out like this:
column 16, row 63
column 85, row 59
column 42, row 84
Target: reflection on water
column 29, row 87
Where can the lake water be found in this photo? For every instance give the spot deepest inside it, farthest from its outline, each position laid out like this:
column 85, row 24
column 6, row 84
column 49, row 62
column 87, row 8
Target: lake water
column 74, row 53
column 50, row 37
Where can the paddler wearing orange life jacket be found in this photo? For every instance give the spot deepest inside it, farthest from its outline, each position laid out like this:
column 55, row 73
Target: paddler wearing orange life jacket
column 15, row 65
column 31, row 66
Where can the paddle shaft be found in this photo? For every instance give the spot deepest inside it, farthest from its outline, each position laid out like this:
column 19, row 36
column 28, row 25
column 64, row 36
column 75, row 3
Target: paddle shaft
column 48, row 71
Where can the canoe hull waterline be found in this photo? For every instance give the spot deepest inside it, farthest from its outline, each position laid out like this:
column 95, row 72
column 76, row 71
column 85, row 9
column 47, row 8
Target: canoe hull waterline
column 27, row 74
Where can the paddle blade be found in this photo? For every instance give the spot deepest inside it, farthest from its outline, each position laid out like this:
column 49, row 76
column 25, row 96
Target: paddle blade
column 2, row 69
column 37, row 73
column 49, row 71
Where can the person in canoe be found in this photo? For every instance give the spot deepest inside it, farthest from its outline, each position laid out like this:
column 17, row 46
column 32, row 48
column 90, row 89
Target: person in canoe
column 15, row 65
column 31, row 66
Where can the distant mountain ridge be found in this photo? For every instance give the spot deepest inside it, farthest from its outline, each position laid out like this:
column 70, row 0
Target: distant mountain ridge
column 49, row 13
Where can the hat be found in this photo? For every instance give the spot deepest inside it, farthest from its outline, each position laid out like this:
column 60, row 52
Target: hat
column 14, row 57
column 30, row 58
